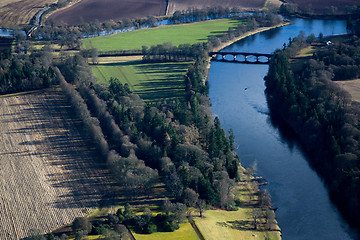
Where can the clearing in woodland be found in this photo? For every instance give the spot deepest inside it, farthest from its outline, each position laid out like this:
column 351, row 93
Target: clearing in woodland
column 15, row 12
column 48, row 173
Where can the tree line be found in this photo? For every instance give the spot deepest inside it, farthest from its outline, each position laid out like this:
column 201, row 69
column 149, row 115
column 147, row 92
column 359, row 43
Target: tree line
column 322, row 114
column 23, row 72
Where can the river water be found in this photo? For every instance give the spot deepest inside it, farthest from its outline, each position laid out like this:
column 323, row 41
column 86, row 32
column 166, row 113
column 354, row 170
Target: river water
column 237, row 96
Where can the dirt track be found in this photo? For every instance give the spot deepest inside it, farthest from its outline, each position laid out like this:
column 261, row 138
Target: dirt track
column 48, row 175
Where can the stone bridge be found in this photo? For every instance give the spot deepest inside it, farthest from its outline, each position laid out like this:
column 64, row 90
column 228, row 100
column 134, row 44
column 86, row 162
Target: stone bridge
column 245, row 55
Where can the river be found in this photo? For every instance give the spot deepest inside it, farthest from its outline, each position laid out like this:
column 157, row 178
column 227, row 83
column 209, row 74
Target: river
column 237, row 96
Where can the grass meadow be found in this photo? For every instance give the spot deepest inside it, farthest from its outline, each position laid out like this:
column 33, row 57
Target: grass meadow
column 152, row 81
column 236, row 225
column 177, row 34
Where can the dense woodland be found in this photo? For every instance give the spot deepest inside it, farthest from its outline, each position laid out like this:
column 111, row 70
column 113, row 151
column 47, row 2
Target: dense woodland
column 22, row 72
column 323, row 115
column 175, row 142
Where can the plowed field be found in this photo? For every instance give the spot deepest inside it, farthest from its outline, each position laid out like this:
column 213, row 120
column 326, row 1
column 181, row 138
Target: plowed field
column 48, row 175
column 321, row 5
column 90, row 10
column 181, row 5
column 13, row 12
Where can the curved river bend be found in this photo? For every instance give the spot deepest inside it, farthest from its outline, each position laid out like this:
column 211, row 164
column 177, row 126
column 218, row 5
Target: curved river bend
column 237, row 96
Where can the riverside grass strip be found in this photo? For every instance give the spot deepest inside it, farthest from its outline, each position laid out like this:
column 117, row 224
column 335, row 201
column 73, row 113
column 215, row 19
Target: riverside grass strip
column 176, row 34
column 48, row 173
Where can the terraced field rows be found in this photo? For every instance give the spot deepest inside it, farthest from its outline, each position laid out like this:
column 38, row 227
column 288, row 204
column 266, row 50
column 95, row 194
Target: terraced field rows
column 13, row 12
column 48, row 175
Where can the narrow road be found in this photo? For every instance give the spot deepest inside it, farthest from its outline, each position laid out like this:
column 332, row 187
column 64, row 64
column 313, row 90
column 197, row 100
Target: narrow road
column 191, row 221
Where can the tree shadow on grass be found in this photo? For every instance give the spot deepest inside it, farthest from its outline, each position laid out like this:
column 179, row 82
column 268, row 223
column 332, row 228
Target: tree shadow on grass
column 241, row 225
column 168, row 84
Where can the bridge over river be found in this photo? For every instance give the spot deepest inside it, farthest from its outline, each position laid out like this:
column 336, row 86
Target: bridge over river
column 236, row 57
column 242, row 57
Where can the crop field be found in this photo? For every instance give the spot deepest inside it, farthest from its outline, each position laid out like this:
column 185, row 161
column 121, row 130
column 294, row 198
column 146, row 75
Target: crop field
column 89, row 10
column 48, row 174
column 319, row 4
column 185, row 232
column 14, row 12
column 176, row 34
column 152, row 81
column 182, row 5
column 351, row 86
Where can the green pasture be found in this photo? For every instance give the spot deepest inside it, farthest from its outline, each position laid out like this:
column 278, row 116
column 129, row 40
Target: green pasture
column 151, row 81
column 176, row 34
column 232, row 225
column 235, row 225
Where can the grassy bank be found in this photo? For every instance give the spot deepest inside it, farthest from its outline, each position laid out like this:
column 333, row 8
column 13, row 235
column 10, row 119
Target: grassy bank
column 177, row 34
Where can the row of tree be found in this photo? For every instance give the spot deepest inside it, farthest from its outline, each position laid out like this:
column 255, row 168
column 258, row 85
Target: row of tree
column 323, row 114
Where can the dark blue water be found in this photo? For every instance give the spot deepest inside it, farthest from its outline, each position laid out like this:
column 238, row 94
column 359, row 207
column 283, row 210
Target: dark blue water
column 304, row 208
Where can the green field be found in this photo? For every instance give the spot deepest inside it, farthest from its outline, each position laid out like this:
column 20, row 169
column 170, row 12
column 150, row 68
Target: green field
column 236, row 225
column 177, row 34
column 152, row 81
column 185, row 232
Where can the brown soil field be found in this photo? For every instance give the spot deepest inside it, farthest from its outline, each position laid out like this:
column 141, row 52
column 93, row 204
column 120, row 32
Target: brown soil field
column 351, row 86
column 90, row 10
column 318, row 5
column 179, row 5
column 48, row 174
column 15, row 12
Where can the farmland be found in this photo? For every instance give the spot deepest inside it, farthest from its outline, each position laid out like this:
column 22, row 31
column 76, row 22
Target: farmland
column 89, row 10
column 177, row 34
column 15, row 12
column 151, row 81
column 319, row 6
column 182, row 5
column 351, row 86
column 48, row 174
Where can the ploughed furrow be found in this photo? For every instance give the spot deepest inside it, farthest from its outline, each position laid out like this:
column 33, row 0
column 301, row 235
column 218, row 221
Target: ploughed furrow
column 48, row 174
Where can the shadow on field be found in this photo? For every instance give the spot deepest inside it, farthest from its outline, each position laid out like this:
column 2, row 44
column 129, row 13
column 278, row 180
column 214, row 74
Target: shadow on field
column 72, row 165
column 242, row 225
column 166, row 81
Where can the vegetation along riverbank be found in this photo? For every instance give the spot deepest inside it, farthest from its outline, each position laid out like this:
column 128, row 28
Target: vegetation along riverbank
column 304, row 93
column 167, row 155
